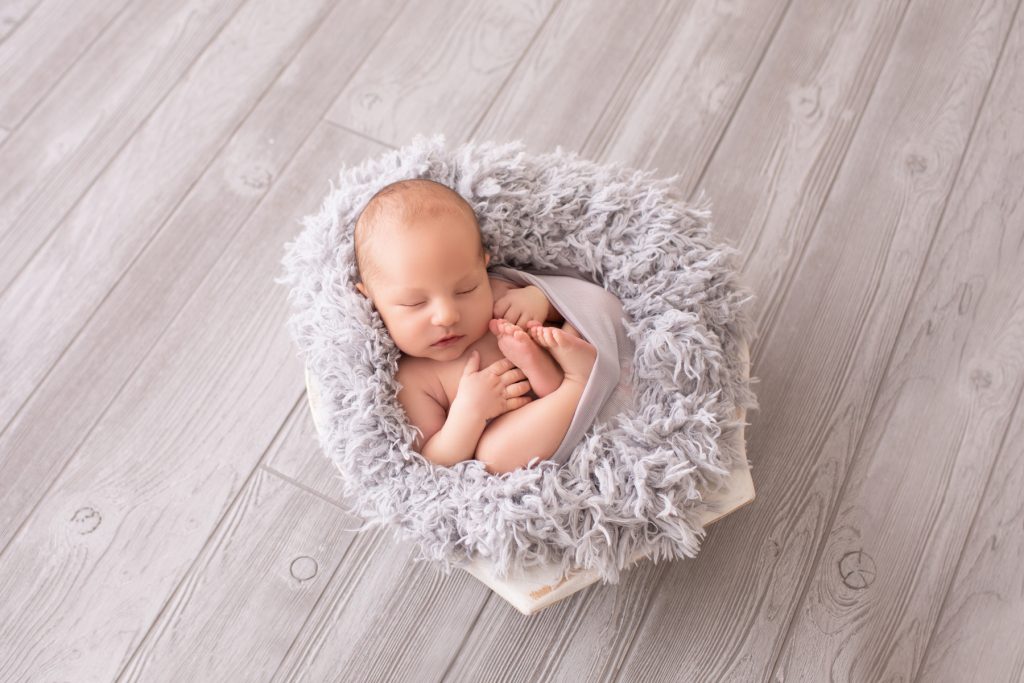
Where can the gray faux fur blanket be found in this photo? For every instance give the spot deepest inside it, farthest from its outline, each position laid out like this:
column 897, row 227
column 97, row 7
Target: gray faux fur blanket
column 633, row 482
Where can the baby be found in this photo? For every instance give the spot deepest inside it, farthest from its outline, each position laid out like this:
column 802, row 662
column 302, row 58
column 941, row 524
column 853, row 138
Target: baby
column 481, row 374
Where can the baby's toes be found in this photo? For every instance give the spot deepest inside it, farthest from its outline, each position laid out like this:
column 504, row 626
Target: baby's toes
column 540, row 335
column 557, row 336
column 520, row 335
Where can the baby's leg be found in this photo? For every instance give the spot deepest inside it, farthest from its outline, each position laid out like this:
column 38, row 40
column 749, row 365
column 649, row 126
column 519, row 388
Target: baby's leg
column 511, row 440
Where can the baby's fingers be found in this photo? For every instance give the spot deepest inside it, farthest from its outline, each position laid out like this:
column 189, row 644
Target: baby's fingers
column 500, row 306
column 513, row 375
column 514, row 403
column 501, row 366
column 517, row 389
column 473, row 364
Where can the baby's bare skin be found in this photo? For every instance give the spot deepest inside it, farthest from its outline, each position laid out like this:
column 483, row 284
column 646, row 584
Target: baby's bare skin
column 502, row 444
column 529, row 354
column 501, row 391
column 504, row 340
column 556, row 358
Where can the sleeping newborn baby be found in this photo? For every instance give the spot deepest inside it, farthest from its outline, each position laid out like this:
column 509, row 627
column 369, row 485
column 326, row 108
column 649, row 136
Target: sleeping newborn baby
column 481, row 375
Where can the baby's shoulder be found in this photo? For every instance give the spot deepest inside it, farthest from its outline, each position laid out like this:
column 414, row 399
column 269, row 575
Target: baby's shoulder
column 412, row 368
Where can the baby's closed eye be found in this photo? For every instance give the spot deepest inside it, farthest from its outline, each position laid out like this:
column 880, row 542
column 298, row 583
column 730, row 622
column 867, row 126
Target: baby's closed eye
column 420, row 303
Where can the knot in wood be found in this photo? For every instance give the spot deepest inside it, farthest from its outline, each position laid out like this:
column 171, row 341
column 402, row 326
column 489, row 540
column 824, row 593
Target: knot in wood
column 916, row 164
column 86, row 520
column 857, row 569
column 256, row 177
column 304, row 568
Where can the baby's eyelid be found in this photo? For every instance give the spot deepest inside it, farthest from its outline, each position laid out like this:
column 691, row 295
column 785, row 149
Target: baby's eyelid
column 423, row 302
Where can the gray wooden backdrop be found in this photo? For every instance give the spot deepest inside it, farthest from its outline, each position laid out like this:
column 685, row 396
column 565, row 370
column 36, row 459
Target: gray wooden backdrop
column 165, row 512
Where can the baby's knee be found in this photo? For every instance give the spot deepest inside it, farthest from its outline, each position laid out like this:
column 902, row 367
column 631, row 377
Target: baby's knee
column 500, row 450
column 492, row 449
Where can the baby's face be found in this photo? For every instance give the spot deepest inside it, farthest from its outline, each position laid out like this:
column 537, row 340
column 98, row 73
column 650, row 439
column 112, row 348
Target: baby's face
column 431, row 283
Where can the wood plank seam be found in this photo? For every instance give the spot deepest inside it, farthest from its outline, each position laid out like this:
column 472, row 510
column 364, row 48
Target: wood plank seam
column 167, row 326
column 769, row 314
column 131, row 661
column 113, row 157
column 169, row 217
column 833, row 512
column 63, row 74
column 627, row 72
column 351, row 131
column 171, row 213
column 1002, row 452
column 515, row 67
column 766, row 332
column 1017, row 405
column 144, row 357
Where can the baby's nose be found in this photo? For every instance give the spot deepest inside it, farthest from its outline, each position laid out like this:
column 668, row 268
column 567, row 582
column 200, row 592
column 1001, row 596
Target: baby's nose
column 445, row 315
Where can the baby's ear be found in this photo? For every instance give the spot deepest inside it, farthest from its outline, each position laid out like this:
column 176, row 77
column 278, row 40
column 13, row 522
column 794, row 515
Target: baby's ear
column 362, row 289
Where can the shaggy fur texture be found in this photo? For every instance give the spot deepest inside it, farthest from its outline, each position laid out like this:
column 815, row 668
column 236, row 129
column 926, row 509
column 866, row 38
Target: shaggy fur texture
column 634, row 481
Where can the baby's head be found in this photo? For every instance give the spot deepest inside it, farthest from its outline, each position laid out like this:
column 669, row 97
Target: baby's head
column 422, row 263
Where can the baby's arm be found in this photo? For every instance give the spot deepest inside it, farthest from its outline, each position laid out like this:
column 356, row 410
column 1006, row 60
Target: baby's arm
column 535, row 430
column 445, row 440
column 457, row 440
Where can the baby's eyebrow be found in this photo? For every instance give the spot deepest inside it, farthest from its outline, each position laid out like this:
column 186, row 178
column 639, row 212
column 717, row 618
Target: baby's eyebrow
column 417, row 290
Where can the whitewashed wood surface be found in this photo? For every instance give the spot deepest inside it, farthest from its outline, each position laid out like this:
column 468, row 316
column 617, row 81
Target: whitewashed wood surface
column 165, row 512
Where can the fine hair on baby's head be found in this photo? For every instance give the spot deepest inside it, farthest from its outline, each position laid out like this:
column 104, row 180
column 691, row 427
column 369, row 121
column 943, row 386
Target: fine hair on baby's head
column 394, row 207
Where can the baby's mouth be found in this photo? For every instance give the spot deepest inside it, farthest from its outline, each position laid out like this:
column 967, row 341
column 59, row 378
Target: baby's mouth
column 447, row 339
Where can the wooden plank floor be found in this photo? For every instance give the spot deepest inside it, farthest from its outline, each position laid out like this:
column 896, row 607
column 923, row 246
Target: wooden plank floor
column 165, row 510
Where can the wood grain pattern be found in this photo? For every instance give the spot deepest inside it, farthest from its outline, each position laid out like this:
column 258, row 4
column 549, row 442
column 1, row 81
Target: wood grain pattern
column 682, row 89
column 822, row 360
column 959, row 354
column 61, row 290
column 437, row 68
column 161, row 491
column 385, row 618
column 12, row 14
column 47, row 43
column 813, row 49
column 159, row 477
column 565, row 80
column 806, row 105
column 82, row 124
column 133, row 315
column 983, row 610
column 237, row 610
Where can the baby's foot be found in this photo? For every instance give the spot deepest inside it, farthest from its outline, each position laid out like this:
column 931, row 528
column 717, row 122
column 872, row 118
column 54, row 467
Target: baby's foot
column 576, row 355
column 539, row 367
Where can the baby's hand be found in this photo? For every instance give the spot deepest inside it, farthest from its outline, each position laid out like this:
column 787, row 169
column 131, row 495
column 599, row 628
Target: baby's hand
column 518, row 306
column 490, row 392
